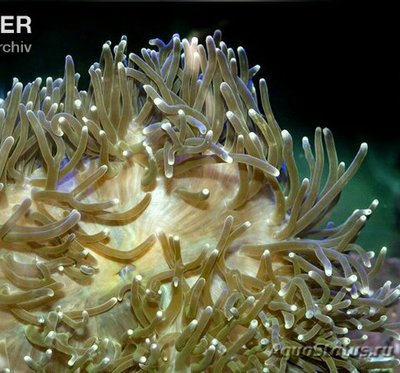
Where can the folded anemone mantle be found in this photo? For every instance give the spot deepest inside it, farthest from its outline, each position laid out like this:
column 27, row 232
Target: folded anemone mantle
column 157, row 222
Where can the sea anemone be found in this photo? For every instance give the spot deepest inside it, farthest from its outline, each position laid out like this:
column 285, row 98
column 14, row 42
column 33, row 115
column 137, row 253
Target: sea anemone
column 157, row 222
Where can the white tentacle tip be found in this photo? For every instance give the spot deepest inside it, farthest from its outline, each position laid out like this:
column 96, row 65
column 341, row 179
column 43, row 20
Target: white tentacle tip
column 27, row 359
column 285, row 134
column 230, row 115
column 252, row 113
column 364, row 146
column 158, row 101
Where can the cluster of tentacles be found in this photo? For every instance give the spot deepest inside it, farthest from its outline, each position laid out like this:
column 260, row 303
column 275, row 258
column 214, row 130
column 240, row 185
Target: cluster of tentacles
column 157, row 222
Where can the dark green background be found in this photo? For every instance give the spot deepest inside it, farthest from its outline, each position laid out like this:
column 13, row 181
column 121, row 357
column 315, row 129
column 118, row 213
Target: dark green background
column 332, row 64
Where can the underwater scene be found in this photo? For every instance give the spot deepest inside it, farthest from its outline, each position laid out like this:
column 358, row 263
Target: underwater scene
column 199, row 187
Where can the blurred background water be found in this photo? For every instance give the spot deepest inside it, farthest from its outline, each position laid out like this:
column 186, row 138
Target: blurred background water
column 329, row 64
